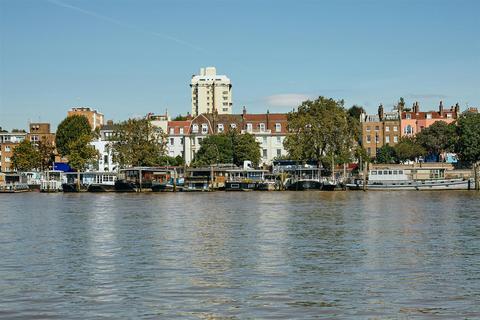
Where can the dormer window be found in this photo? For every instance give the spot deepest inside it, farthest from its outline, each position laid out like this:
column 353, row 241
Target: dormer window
column 220, row 127
column 204, row 128
column 262, row 127
column 233, row 125
column 172, row 130
column 195, row 128
column 278, row 127
column 429, row 116
column 408, row 116
column 249, row 127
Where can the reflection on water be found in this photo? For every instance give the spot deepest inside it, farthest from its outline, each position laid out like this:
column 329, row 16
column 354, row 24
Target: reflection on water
column 240, row 255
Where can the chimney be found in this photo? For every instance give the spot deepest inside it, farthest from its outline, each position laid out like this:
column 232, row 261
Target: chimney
column 380, row 111
column 415, row 107
column 457, row 109
column 440, row 108
column 268, row 119
column 244, row 112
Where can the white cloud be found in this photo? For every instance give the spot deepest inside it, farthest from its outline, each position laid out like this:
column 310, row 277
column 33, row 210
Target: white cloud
column 289, row 100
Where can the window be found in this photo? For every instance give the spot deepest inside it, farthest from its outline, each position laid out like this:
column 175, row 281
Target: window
column 264, row 153
column 105, row 158
column 395, row 139
column 195, row 128
column 387, row 139
column 172, row 130
column 172, row 141
column 204, row 128
column 368, row 128
column 181, row 130
column 264, row 140
column 7, row 159
column 278, row 127
column 377, row 128
column 408, row 116
column 220, row 127
column 249, row 127
column 377, row 139
column 387, row 129
column 408, row 129
column 429, row 116
column 373, row 173
column 449, row 115
column 225, row 92
column 279, row 140
column 233, row 125
column 279, row 152
column 395, row 128
column 369, row 139
column 181, row 141
column 262, row 127
column 7, row 149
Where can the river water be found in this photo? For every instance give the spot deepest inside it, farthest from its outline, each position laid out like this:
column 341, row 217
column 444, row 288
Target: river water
column 253, row 255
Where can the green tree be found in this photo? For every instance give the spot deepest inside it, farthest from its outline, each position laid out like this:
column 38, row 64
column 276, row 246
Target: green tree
column 320, row 129
column 386, row 154
column 216, row 148
column 230, row 147
column 81, row 153
column 408, row 149
column 245, row 147
column 70, row 130
column 46, row 151
column 180, row 118
column 25, row 156
column 468, row 130
column 138, row 143
column 438, row 138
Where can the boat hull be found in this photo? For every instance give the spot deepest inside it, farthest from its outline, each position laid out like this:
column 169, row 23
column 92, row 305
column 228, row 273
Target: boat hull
column 239, row 186
column 128, row 186
column 453, row 184
column 73, row 187
column 101, row 188
column 302, row 185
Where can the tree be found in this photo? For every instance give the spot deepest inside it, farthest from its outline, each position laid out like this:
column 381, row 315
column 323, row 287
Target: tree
column 355, row 111
column 25, row 156
column 180, row 118
column 245, row 148
column 230, row 147
column 70, row 130
column 386, row 154
column 468, row 131
column 320, row 129
column 138, row 143
column 81, row 153
column 438, row 138
column 408, row 149
column 216, row 148
column 46, row 152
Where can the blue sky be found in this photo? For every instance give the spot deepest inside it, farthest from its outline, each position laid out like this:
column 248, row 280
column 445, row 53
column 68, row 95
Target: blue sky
column 130, row 57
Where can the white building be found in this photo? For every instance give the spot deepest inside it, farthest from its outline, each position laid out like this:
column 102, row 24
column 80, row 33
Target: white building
column 103, row 145
column 269, row 129
column 211, row 92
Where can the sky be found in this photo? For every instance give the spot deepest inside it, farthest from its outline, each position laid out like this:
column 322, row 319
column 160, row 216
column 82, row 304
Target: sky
column 127, row 58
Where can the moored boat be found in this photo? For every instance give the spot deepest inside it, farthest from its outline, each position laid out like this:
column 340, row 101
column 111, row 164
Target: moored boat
column 411, row 179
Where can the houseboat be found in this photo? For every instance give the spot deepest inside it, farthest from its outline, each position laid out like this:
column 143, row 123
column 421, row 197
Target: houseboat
column 169, row 179
column 207, row 178
column 270, row 182
column 245, row 179
column 304, row 177
column 103, row 182
column 142, row 179
column 51, row 181
column 412, row 178
column 13, row 183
